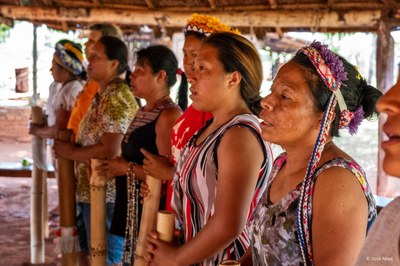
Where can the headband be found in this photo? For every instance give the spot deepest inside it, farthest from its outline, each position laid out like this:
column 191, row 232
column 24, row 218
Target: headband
column 70, row 57
column 205, row 24
column 331, row 70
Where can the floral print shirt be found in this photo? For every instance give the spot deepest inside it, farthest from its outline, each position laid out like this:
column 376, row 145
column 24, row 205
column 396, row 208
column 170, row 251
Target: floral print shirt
column 272, row 227
column 111, row 111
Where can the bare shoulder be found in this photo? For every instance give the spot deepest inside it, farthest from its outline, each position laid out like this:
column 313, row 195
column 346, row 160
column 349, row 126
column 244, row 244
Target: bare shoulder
column 169, row 115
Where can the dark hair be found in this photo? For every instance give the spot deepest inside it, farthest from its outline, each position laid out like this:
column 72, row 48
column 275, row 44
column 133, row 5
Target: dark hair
column 196, row 34
column 115, row 49
column 236, row 53
column 107, row 29
column 160, row 57
column 355, row 90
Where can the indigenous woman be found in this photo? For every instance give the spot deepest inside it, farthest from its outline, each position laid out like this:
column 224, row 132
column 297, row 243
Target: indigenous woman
column 68, row 74
column 382, row 243
column 222, row 171
column 155, row 72
column 318, row 205
column 100, row 134
column 197, row 28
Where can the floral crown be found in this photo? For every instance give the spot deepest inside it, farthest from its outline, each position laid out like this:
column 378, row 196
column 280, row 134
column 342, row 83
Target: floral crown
column 206, row 25
column 331, row 70
column 70, row 57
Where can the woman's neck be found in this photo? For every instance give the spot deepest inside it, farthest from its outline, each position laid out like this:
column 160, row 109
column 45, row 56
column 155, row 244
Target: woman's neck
column 104, row 83
column 299, row 157
column 155, row 102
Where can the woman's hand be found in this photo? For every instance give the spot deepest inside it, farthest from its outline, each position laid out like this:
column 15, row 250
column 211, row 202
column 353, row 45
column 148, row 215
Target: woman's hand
column 157, row 166
column 63, row 149
column 160, row 252
column 112, row 168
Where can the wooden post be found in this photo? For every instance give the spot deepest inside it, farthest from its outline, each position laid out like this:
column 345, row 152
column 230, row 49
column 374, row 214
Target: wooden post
column 46, row 231
column 151, row 205
column 98, row 216
column 68, row 242
column 36, row 221
column 384, row 74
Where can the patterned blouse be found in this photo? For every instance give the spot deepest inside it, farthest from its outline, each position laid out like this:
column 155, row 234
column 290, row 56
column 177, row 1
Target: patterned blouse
column 196, row 180
column 111, row 111
column 272, row 227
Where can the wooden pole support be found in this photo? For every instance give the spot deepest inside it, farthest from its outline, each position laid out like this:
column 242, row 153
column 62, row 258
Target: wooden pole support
column 151, row 205
column 98, row 216
column 68, row 242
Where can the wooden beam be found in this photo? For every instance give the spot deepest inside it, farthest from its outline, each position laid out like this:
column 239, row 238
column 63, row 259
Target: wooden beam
column 273, row 4
column 283, row 19
column 212, row 4
column 150, row 4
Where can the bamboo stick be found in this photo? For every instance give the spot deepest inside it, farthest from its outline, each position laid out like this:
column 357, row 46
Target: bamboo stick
column 36, row 221
column 98, row 216
column 68, row 242
column 148, row 221
column 165, row 225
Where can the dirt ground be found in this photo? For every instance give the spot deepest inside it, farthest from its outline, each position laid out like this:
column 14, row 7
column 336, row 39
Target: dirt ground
column 15, row 212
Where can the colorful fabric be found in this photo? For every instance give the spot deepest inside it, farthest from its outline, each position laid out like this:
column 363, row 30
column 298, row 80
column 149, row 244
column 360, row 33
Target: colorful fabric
column 206, row 25
column 111, row 111
column 69, row 55
column 196, row 177
column 273, row 226
column 185, row 127
column 82, row 104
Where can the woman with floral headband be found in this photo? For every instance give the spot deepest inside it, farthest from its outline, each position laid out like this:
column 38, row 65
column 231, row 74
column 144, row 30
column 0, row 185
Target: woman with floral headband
column 318, row 205
column 223, row 170
column 197, row 28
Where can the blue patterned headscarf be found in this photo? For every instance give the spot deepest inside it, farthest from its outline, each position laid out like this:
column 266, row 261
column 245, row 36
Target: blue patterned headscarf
column 69, row 56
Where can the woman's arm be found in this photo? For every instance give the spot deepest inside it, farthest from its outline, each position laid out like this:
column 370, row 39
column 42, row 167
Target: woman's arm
column 239, row 161
column 159, row 166
column 108, row 148
column 340, row 216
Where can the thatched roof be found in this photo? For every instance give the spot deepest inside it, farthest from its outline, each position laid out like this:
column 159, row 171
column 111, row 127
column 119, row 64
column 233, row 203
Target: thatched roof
column 255, row 16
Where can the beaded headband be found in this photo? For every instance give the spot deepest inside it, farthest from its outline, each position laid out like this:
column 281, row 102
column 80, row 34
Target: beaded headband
column 70, row 57
column 331, row 70
column 206, row 25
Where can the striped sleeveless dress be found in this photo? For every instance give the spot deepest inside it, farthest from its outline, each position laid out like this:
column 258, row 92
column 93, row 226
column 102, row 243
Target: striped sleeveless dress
column 195, row 185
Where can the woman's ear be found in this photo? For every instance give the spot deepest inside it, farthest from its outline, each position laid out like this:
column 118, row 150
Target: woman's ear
column 235, row 78
column 161, row 76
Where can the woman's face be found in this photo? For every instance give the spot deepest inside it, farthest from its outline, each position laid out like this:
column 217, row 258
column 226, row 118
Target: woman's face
column 390, row 105
column 56, row 71
column 209, row 81
column 190, row 48
column 100, row 67
column 289, row 116
column 143, row 81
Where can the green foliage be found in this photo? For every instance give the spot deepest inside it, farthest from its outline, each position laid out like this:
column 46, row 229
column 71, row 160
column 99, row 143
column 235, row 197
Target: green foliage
column 4, row 32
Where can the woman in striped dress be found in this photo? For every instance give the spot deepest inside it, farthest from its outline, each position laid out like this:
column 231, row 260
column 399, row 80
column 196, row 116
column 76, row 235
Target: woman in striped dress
column 224, row 168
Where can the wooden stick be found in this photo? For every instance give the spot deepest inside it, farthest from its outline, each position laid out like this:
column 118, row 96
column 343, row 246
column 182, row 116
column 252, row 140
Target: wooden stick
column 166, row 225
column 98, row 215
column 69, row 244
column 151, row 205
column 36, row 221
